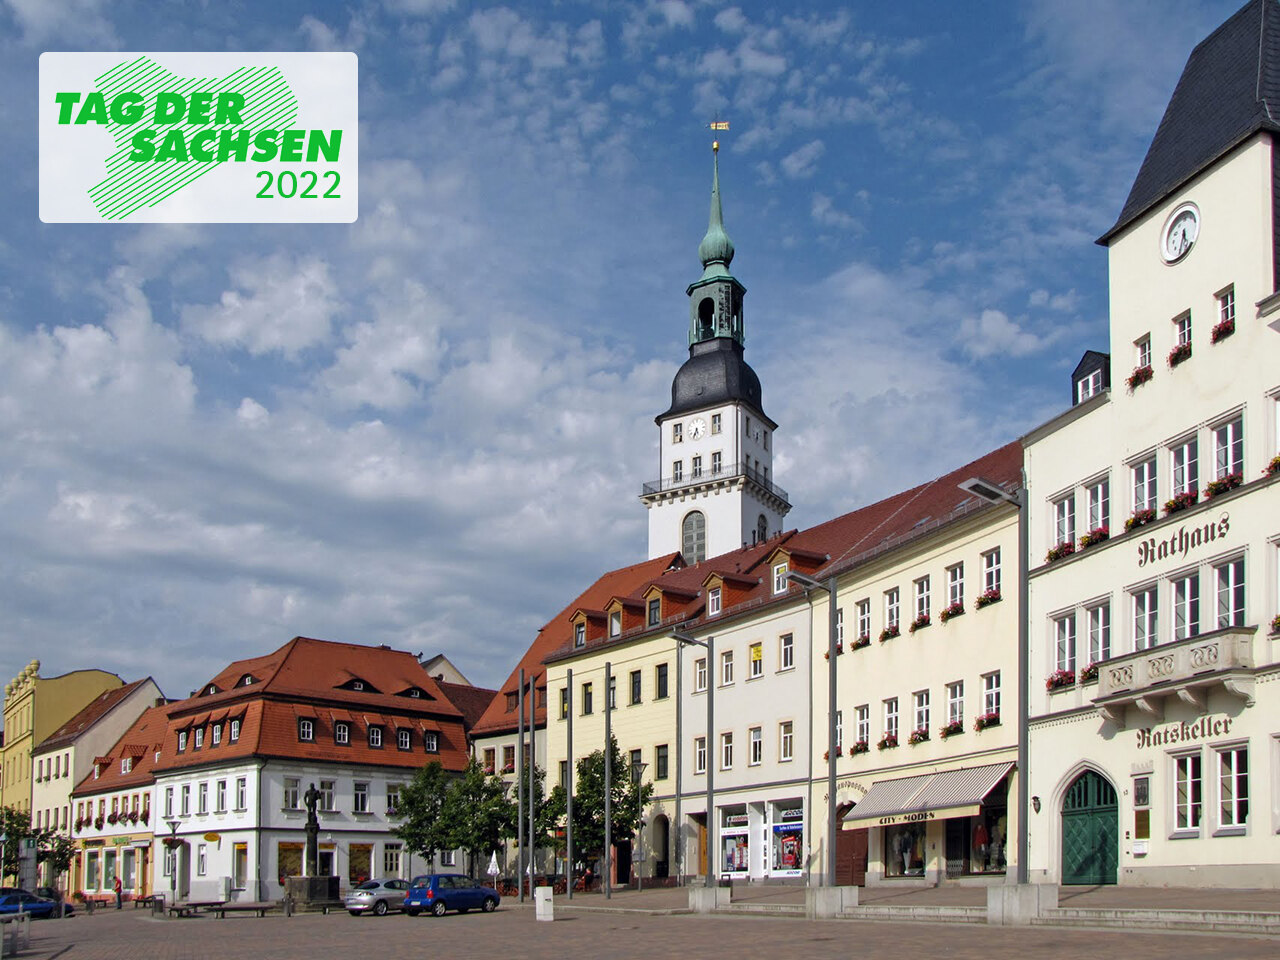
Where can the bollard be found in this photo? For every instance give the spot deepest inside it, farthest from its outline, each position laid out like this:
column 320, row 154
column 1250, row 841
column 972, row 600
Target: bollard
column 543, row 906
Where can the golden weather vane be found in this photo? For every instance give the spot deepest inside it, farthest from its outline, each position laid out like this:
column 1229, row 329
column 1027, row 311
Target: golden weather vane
column 717, row 124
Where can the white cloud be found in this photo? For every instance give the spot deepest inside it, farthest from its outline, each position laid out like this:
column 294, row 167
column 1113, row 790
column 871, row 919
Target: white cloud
column 731, row 20
column 281, row 303
column 992, row 334
column 69, row 22
column 823, row 211
column 803, row 161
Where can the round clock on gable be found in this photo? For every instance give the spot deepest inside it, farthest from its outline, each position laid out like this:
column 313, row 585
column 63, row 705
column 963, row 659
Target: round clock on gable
column 1180, row 232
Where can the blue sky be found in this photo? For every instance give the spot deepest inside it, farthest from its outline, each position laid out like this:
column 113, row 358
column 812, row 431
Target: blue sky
column 429, row 428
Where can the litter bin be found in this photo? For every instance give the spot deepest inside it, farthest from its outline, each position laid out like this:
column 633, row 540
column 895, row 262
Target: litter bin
column 543, row 905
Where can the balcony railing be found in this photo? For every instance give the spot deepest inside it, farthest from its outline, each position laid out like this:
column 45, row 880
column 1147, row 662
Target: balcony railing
column 726, row 472
column 1186, row 669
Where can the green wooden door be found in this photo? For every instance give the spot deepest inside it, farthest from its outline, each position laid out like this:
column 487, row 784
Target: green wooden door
column 1090, row 831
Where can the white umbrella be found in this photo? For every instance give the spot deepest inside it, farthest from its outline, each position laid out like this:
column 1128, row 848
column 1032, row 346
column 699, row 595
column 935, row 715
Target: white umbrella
column 493, row 864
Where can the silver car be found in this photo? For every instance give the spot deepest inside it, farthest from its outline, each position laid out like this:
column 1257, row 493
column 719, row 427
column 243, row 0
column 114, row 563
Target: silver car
column 377, row 897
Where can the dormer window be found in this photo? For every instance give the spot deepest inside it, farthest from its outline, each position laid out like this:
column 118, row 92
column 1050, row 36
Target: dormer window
column 210, row 689
column 342, row 733
column 579, row 634
column 615, row 623
column 655, row 612
column 126, row 764
column 780, row 577
column 199, row 737
column 306, row 731
column 404, row 739
column 713, row 602
column 415, row 693
column 375, row 737
column 217, row 734
column 182, row 740
column 97, row 770
column 234, row 731
column 247, row 680
column 431, row 742
column 357, row 685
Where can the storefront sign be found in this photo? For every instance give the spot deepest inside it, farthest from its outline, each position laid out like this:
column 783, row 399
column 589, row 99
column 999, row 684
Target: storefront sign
column 796, row 813
column 91, row 843
column 1183, row 732
column 121, row 841
column 1182, row 541
column 735, row 819
column 213, row 837
column 891, row 819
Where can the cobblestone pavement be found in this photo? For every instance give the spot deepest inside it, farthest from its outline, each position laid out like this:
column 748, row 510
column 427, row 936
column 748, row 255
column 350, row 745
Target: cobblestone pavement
column 513, row 932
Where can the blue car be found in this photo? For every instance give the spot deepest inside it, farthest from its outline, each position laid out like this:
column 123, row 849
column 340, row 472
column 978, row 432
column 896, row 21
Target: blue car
column 438, row 893
column 39, row 907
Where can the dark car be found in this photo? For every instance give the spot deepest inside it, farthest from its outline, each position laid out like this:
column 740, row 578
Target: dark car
column 440, row 892
column 39, row 907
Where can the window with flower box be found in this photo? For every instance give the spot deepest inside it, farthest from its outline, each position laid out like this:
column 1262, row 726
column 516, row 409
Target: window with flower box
column 1185, row 460
column 1182, row 326
column 922, row 709
column 1228, row 449
column 1186, row 606
column 862, row 720
column 922, row 597
column 991, row 693
column 1144, row 485
column 1064, row 633
column 1098, row 496
column 1227, row 305
column 1142, row 351
column 955, row 585
column 991, row 571
column 839, row 730
column 955, row 702
column 892, row 610
column 864, row 619
column 891, row 717
column 839, row 625
column 1064, row 520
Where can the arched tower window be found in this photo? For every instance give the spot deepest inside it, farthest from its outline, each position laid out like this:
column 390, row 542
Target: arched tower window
column 693, row 537
column 706, row 318
column 762, row 529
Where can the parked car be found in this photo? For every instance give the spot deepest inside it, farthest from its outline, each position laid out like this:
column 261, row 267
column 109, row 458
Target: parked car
column 377, row 897
column 40, row 908
column 440, row 892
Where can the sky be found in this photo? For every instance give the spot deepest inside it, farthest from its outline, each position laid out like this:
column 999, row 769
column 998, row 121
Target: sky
column 430, row 428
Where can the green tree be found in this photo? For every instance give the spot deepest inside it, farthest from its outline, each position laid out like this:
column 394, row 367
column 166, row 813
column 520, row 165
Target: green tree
column 15, row 824
column 422, row 804
column 628, row 800
column 57, row 850
column 477, row 814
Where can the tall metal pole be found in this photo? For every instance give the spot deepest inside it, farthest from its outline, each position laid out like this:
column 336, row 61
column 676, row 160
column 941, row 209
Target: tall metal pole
column 679, row 824
column 520, row 786
column 1024, row 688
column 712, row 825
column 831, row 732
column 608, row 780
column 568, row 819
column 533, row 779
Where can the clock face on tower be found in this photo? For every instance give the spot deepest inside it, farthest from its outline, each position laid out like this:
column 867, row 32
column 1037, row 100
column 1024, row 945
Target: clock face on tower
column 698, row 428
column 1180, row 233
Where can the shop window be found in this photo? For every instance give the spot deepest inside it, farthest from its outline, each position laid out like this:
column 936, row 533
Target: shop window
column 734, row 843
column 977, row 845
column 788, row 837
column 904, row 850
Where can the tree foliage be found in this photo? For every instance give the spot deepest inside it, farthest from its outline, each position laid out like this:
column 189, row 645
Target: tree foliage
column 628, row 802
column 422, row 803
column 445, row 811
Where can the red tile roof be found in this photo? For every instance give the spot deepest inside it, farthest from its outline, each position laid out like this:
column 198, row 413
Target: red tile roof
column 472, row 701
column 141, row 742
column 558, row 632
column 94, row 711
column 313, row 679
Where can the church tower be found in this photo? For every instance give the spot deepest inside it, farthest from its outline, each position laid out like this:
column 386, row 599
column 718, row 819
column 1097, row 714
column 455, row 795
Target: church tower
column 715, row 491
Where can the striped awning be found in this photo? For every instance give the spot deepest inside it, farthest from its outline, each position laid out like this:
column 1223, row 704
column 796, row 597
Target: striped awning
column 951, row 793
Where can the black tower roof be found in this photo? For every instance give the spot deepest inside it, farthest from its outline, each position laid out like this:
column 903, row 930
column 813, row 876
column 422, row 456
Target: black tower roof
column 715, row 373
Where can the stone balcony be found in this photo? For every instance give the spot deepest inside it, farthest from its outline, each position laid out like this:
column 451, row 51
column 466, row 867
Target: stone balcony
column 1187, row 670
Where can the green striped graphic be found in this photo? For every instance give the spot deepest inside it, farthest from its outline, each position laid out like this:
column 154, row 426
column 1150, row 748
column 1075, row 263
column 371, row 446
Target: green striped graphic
column 129, row 186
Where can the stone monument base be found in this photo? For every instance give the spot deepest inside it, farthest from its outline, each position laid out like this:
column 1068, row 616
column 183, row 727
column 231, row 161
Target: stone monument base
column 312, row 893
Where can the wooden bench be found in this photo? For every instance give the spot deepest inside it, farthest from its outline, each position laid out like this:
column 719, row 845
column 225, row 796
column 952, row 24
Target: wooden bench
column 189, row 908
column 148, row 901
column 259, row 908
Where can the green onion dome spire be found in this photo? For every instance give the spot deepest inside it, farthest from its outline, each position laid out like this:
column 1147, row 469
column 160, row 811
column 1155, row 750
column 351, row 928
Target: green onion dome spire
column 716, row 247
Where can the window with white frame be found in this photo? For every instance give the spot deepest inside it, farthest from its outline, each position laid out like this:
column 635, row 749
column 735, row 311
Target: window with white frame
column 786, row 652
column 677, row 471
column 1229, row 580
column 182, row 740
column 713, row 602
column 234, row 730
column 1064, row 520
column 1142, row 351
column 404, row 739
column 922, row 597
column 217, row 734
column 199, row 737
column 1228, row 448
column 955, row 702
column 786, row 741
column 1144, row 485
column 1099, row 620
column 677, row 433
column 306, row 730
column 726, row 668
column 1089, row 385
column 342, row 732
column 717, row 463
column 755, row 655
column 1182, row 325
column 1185, row 460
column 726, row 751
column 1064, row 645
column 202, row 859
column 1186, row 606
column 375, row 737
column 291, row 794
column 700, row 675
column 168, row 801
column 1145, row 618
column 991, row 570
column 1188, row 800
column 447, row 858
column 391, row 857
column 955, row 585
column 891, row 717
column 891, row 609
column 757, row 746
column 430, row 741
column 1233, row 787
column 780, row 577
column 615, row 623
column 862, row 718
column 991, row 693
column 1227, row 305
column 220, row 797
column 1098, row 497
column 839, row 730
column 360, row 797
column 695, row 468
column 922, row 709
column 716, row 423
column 839, row 624
column 325, row 802
column 864, row 619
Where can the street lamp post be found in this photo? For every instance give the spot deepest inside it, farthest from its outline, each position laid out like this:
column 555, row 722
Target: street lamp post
column 637, row 772
column 994, row 493
column 173, row 857
column 709, row 646
column 809, row 585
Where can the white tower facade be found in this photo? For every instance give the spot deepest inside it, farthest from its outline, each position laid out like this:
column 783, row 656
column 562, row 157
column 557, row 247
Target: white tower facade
column 715, row 490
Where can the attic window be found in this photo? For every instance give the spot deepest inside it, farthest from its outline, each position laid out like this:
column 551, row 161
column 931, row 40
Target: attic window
column 126, row 764
column 579, row 634
column 210, row 690
column 234, row 732
column 182, row 740
column 511, row 702
column 97, row 770
column 415, row 693
column 357, row 685
column 306, row 730
column 247, row 680
column 431, row 741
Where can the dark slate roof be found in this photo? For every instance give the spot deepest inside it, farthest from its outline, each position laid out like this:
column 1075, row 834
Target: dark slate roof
column 715, row 373
column 1228, row 91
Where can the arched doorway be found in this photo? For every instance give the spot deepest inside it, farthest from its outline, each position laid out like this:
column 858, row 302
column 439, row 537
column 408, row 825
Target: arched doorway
column 1090, row 831
column 661, row 842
